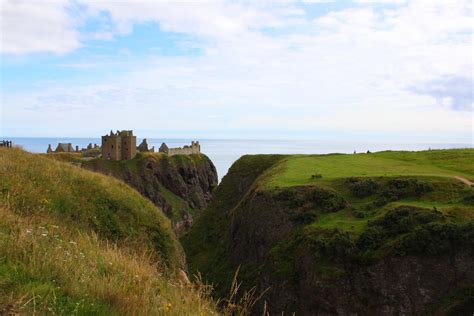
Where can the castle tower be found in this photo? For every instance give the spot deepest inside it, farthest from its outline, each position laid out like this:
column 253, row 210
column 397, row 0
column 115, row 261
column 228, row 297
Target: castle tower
column 119, row 146
column 129, row 145
column 111, row 147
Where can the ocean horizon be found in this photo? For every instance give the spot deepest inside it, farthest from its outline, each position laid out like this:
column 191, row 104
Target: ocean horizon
column 224, row 152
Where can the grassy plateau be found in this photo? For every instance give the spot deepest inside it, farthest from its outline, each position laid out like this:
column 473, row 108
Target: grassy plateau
column 340, row 210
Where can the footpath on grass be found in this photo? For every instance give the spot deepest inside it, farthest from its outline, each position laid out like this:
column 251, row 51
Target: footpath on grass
column 464, row 180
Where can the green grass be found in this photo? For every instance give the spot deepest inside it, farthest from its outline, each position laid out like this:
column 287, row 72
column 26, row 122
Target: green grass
column 328, row 216
column 77, row 242
column 298, row 169
column 179, row 207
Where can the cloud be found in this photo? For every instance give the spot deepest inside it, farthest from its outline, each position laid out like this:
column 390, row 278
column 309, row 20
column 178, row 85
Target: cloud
column 400, row 68
column 36, row 26
column 454, row 92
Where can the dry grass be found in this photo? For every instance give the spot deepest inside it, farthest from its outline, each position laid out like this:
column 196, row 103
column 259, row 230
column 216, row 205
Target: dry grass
column 51, row 269
column 75, row 242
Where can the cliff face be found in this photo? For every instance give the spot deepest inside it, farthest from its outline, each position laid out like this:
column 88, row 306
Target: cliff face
column 367, row 246
column 181, row 186
column 329, row 272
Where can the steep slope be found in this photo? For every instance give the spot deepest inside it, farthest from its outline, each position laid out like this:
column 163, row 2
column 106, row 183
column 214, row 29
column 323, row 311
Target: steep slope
column 77, row 242
column 380, row 234
column 180, row 185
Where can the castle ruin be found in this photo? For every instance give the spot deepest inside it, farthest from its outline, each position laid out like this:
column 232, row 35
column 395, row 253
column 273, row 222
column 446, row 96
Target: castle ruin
column 195, row 148
column 119, row 146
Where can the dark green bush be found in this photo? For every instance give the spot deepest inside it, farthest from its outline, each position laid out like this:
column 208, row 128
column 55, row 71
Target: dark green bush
column 335, row 245
column 325, row 200
column 403, row 188
column 303, row 218
column 401, row 220
column 363, row 187
column 469, row 198
column 437, row 239
column 311, row 198
column 372, row 238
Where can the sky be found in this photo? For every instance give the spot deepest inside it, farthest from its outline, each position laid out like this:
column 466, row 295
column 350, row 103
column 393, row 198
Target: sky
column 343, row 70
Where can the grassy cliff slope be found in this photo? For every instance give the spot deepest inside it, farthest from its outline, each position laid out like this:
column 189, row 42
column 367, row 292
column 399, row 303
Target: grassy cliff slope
column 77, row 242
column 381, row 233
column 180, row 185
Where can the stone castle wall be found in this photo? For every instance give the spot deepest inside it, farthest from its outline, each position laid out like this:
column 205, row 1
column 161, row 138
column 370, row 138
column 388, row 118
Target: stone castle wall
column 195, row 148
column 184, row 151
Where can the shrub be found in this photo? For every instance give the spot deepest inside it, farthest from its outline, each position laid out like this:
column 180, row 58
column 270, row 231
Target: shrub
column 303, row 217
column 363, row 187
column 326, row 200
column 402, row 188
column 401, row 220
column 335, row 245
column 437, row 239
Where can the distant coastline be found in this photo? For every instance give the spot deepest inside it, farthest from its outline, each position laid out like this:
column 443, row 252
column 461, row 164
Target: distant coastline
column 223, row 152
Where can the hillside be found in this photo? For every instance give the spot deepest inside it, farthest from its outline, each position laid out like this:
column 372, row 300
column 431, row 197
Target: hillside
column 180, row 185
column 77, row 242
column 383, row 233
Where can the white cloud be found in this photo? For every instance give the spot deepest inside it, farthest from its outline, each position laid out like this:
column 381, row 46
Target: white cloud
column 351, row 70
column 36, row 26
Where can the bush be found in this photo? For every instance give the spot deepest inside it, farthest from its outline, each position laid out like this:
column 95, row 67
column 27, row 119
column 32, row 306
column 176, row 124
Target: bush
column 437, row 239
column 470, row 198
column 402, row 188
column 363, row 187
column 335, row 245
column 401, row 220
column 311, row 198
column 325, row 200
column 303, row 217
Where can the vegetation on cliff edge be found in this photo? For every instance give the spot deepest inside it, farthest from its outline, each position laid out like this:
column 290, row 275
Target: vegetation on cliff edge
column 77, row 242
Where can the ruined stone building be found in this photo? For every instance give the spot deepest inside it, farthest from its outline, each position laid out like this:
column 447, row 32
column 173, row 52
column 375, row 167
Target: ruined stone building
column 143, row 147
column 68, row 148
column 195, row 148
column 61, row 148
column 119, row 146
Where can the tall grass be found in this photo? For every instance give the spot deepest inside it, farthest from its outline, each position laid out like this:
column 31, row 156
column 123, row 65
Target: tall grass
column 46, row 267
column 75, row 242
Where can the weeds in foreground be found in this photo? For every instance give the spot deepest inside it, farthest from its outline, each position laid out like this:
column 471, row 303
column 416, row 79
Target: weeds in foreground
column 241, row 303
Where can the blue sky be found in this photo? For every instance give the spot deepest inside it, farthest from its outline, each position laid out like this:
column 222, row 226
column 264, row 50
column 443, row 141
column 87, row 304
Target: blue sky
column 364, row 70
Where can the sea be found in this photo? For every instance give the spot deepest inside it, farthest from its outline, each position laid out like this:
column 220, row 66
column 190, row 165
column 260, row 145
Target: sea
column 224, row 152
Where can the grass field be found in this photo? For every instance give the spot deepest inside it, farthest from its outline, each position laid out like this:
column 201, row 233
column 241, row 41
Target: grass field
column 298, row 169
column 436, row 167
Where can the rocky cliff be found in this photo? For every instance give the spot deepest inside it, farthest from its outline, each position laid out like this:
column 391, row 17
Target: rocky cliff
column 180, row 185
column 373, row 245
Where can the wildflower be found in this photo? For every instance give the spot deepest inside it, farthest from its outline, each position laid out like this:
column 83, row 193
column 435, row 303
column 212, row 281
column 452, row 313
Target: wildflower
column 28, row 231
column 73, row 242
column 167, row 307
column 44, row 234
